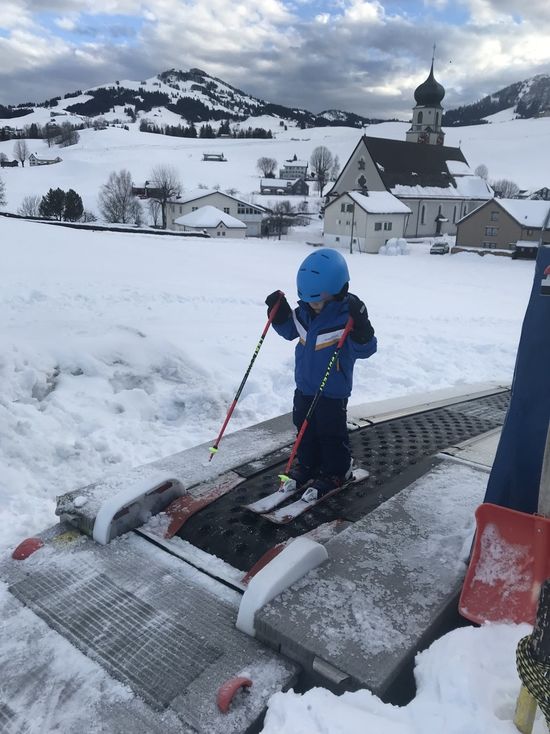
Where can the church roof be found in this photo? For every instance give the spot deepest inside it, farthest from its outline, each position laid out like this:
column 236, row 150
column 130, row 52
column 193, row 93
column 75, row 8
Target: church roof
column 430, row 92
column 413, row 164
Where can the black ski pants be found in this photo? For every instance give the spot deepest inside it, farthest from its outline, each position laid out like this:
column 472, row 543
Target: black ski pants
column 325, row 443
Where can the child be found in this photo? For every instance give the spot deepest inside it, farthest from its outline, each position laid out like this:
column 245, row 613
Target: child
column 318, row 322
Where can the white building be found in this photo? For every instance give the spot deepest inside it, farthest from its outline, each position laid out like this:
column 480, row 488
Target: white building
column 293, row 169
column 432, row 179
column 364, row 222
column 34, row 160
column 250, row 214
column 212, row 221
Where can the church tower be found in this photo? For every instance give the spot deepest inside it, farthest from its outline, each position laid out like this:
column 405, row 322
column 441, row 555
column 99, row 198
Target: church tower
column 427, row 113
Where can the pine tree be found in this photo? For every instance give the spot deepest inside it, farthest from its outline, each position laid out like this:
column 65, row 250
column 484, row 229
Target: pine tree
column 74, row 207
column 52, row 205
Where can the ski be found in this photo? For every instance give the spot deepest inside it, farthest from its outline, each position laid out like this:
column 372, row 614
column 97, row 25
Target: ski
column 267, row 503
column 286, row 514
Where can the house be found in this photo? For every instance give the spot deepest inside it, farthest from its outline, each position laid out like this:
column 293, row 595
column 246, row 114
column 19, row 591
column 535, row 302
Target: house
column 282, row 187
column 250, row 214
column 432, row 179
column 543, row 194
column 293, row 169
column 505, row 224
column 364, row 222
column 214, row 157
column 34, row 160
column 212, row 221
column 147, row 191
column 5, row 163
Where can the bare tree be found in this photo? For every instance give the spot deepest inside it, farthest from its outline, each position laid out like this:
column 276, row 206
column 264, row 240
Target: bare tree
column 267, row 166
column 335, row 170
column 2, row 193
column 321, row 162
column 482, row 171
column 3, row 158
column 67, row 135
column 154, row 210
column 117, row 202
column 30, row 206
column 505, row 189
column 165, row 182
column 21, row 151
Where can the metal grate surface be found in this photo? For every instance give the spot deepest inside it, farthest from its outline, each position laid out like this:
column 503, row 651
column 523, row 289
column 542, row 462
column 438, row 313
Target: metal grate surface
column 138, row 644
column 388, row 449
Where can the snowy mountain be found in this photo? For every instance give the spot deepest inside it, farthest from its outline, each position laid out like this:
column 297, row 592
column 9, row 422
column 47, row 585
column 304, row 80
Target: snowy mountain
column 526, row 99
column 192, row 96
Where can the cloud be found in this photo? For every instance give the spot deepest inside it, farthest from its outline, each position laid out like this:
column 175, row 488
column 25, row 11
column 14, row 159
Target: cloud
column 362, row 56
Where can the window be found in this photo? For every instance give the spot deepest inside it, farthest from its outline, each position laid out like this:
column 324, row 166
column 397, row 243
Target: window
column 464, row 210
column 194, row 208
column 377, row 226
column 337, row 239
column 217, row 234
column 226, row 209
column 181, row 209
column 349, row 208
column 342, row 207
column 420, row 117
column 454, row 215
column 491, row 231
column 423, row 214
column 223, row 234
column 494, row 216
column 387, row 226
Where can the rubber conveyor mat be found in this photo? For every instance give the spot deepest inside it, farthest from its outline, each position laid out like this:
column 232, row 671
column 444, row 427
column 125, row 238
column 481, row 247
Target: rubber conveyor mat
column 389, row 449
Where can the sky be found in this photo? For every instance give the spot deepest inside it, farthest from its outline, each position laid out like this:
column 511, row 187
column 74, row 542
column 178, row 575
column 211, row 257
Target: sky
column 363, row 56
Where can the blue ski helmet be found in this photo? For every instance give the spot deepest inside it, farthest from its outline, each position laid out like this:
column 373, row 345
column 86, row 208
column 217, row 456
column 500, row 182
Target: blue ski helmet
column 322, row 274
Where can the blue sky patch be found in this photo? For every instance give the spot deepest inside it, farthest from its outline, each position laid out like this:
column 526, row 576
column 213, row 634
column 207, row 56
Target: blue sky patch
column 100, row 28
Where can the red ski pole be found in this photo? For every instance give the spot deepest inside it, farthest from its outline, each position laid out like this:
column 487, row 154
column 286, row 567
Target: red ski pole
column 348, row 327
column 213, row 449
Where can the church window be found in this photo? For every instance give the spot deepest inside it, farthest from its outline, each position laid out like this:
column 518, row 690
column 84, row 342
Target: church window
column 423, row 214
column 361, row 164
column 420, row 117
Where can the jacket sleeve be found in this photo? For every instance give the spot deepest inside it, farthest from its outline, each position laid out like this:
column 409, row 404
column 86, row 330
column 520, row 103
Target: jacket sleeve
column 287, row 329
column 362, row 351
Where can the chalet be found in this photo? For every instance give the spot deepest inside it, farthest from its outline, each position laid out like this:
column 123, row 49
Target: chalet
column 293, row 169
column 147, row 191
column 250, row 214
column 34, row 160
column 214, row 157
column 541, row 194
column 4, row 163
column 364, row 222
column 282, row 187
column 506, row 224
column 433, row 180
column 212, row 221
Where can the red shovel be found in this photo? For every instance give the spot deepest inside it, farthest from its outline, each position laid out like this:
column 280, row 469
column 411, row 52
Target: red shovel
column 510, row 559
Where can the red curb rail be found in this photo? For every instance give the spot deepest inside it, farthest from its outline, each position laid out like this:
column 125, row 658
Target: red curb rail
column 26, row 548
column 228, row 690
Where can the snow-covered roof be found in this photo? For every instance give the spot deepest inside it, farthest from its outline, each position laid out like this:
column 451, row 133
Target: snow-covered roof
column 459, row 168
column 209, row 216
column 379, row 202
column 290, row 164
column 527, row 212
column 467, row 187
column 281, row 183
column 201, row 193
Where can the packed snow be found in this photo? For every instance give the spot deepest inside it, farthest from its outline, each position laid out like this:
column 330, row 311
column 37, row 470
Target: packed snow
column 119, row 349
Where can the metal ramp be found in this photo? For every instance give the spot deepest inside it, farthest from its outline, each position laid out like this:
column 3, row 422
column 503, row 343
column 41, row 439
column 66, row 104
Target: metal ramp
column 151, row 622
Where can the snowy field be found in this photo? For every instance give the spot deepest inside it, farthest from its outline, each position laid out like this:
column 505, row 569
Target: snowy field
column 509, row 149
column 118, row 349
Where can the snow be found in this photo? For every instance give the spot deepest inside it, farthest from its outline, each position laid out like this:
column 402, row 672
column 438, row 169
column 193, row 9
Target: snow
column 528, row 212
column 119, row 349
column 379, row 202
column 209, row 216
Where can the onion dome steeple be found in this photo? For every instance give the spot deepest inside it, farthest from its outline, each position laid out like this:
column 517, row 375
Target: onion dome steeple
column 429, row 93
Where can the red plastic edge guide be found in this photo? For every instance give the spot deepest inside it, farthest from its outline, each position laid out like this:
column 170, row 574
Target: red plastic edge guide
column 228, row 690
column 26, row 548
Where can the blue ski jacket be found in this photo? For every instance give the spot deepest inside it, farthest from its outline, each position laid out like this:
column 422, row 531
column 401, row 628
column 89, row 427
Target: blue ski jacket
column 318, row 336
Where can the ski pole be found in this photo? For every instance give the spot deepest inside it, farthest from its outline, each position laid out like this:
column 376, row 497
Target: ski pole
column 348, row 327
column 213, row 449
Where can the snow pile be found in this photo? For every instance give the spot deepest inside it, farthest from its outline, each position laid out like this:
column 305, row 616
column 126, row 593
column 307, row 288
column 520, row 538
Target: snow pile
column 395, row 246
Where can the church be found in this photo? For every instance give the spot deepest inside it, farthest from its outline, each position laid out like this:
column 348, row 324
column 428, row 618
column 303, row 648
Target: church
column 428, row 186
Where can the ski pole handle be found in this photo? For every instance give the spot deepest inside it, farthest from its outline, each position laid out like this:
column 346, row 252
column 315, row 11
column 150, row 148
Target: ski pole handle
column 213, row 449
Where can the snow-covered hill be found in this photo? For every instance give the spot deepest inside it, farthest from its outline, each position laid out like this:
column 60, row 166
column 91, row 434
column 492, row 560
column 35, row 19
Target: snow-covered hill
column 509, row 149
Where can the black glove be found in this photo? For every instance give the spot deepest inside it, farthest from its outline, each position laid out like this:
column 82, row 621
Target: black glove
column 283, row 312
column 362, row 331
